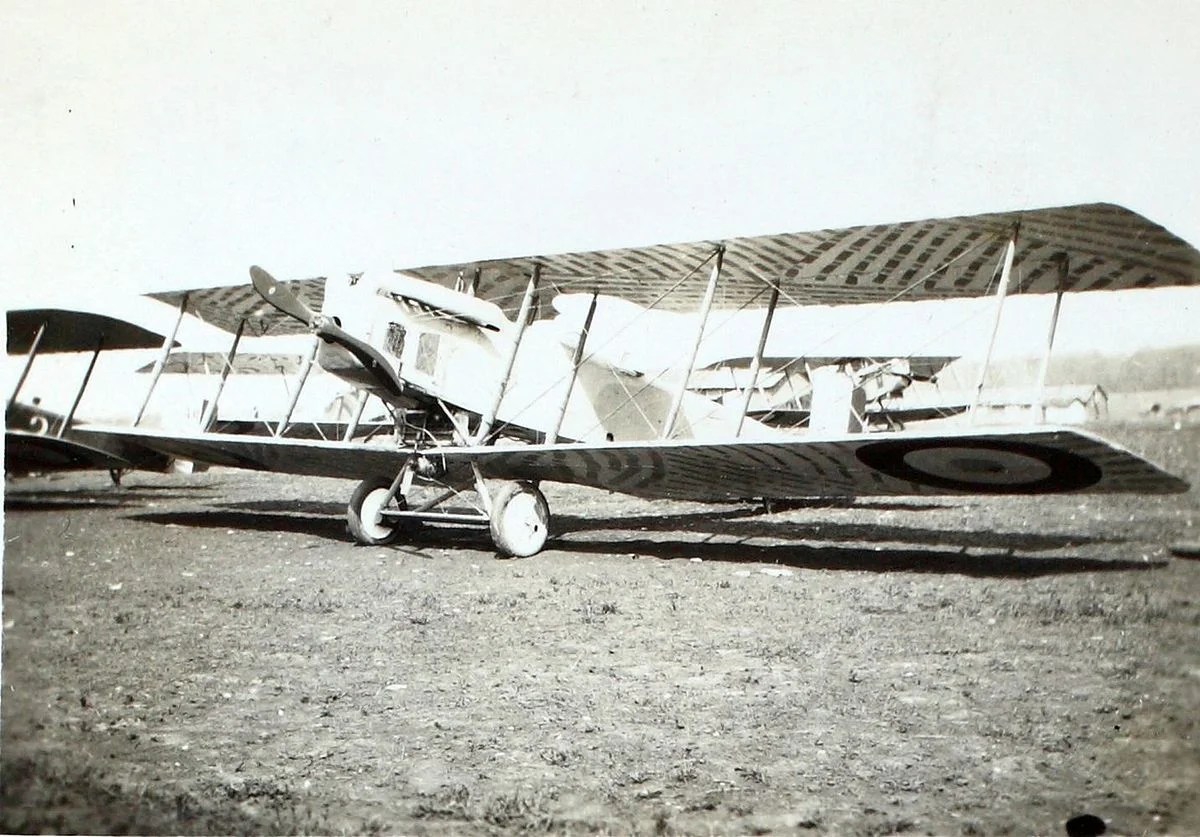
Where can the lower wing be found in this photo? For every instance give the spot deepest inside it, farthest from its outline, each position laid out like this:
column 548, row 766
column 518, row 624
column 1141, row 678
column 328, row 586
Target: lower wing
column 999, row 461
column 26, row 453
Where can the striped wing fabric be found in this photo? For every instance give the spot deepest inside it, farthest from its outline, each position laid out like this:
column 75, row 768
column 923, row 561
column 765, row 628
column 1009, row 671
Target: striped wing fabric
column 1106, row 247
column 1041, row 461
column 224, row 307
column 1021, row 461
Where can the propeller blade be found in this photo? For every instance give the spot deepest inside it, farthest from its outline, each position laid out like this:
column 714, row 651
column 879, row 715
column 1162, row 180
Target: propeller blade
column 279, row 296
column 327, row 329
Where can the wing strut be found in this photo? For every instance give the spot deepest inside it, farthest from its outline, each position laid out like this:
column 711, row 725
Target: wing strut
column 470, row 287
column 756, row 363
column 33, row 350
column 1038, row 406
column 705, row 307
column 282, row 427
column 1001, row 294
column 360, row 404
column 489, row 418
column 87, row 376
column 210, row 413
column 576, row 360
column 161, row 360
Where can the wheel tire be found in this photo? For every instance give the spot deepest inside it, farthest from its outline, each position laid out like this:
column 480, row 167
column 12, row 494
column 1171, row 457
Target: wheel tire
column 363, row 518
column 520, row 520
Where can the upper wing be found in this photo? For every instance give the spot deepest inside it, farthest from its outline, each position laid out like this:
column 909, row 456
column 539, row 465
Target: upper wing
column 225, row 307
column 74, row 331
column 1108, row 248
column 1019, row 461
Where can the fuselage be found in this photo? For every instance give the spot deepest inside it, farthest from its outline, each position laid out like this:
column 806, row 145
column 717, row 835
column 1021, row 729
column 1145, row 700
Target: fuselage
column 451, row 347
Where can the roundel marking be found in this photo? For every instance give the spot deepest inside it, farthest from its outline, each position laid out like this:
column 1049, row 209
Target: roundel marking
column 994, row 467
column 983, row 466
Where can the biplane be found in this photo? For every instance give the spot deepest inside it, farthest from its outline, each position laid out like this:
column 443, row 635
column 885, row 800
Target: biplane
column 491, row 396
column 38, row 439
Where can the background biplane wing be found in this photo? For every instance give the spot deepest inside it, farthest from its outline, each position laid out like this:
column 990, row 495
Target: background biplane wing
column 26, row 453
column 36, row 439
column 1107, row 247
column 66, row 331
column 1017, row 461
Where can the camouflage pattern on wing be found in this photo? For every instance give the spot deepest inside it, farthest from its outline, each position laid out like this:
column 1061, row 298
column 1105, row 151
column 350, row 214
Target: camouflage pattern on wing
column 1106, row 246
column 1021, row 461
column 310, row 457
column 225, row 306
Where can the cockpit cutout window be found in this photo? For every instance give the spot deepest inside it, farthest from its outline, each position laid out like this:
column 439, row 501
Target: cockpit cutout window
column 394, row 340
column 427, row 350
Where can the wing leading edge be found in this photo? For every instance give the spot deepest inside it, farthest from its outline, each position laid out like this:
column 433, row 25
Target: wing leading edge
column 1017, row 461
column 1107, row 247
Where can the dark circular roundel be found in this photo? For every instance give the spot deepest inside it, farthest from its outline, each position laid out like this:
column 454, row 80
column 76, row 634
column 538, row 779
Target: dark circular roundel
column 982, row 466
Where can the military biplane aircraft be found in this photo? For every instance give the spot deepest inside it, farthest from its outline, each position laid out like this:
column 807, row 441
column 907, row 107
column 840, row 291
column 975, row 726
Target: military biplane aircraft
column 487, row 389
column 37, row 439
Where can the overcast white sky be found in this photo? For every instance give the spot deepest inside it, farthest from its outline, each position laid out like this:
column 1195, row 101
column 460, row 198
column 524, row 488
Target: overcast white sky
column 152, row 145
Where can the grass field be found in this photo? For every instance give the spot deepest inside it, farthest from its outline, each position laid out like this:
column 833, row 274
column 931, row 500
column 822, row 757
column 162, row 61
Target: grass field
column 209, row 654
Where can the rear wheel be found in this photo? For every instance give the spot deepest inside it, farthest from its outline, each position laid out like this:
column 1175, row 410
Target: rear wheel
column 364, row 516
column 520, row 520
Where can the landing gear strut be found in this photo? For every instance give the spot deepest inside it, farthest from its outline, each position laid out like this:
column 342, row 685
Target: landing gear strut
column 517, row 515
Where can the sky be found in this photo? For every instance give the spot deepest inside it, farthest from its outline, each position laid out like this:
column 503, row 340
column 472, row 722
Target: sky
column 151, row 146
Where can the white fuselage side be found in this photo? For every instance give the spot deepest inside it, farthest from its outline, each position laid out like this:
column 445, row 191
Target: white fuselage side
column 453, row 347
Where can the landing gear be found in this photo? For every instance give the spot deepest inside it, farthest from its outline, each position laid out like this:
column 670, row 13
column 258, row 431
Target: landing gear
column 517, row 515
column 365, row 518
column 520, row 520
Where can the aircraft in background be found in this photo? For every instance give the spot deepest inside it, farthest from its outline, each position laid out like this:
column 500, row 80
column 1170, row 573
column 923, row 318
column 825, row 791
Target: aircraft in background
column 503, row 395
column 62, row 370
column 37, row 439
column 878, row 357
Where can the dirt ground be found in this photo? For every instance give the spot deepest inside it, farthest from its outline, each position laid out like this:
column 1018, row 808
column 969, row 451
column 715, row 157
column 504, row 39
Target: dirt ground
column 209, row 654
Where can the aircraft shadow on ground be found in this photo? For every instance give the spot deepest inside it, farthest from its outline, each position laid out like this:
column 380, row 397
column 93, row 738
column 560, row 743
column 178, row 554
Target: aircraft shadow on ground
column 315, row 520
column 857, row 559
column 293, row 506
column 744, row 524
column 69, row 499
column 1002, row 557
column 304, row 523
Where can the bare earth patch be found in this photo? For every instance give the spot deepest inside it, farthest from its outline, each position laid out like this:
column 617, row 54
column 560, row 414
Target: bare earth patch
column 209, row 654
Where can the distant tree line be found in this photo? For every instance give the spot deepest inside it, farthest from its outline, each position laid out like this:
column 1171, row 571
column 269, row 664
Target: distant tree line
column 1146, row 369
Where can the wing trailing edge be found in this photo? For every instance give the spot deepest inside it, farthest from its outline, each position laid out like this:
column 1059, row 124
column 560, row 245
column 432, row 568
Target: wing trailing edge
column 1043, row 460
column 1106, row 247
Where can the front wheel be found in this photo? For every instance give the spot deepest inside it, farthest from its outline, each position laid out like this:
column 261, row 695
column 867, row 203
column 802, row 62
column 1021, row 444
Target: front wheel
column 364, row 515
column 520, row 520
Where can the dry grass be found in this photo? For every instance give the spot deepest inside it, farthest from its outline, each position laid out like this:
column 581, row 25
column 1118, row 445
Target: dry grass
column 885, row 667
